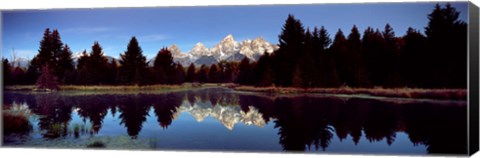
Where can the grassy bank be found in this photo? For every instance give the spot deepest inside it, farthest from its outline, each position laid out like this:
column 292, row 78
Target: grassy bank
column 443, row 94
column 121, row 88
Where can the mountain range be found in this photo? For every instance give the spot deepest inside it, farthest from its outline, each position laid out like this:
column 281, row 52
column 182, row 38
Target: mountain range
column 227, row 49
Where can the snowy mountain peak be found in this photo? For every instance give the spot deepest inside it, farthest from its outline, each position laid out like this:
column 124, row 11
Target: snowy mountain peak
column 229, row 37
column 200, row 50
column 174, row 50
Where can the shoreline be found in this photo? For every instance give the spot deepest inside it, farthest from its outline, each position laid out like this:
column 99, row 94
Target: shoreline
column 412, row 93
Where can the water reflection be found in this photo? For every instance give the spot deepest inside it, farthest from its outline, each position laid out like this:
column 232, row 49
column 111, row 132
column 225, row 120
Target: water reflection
column 303, row 123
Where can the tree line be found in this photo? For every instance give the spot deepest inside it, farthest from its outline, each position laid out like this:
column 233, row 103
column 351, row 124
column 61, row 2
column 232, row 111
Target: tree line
column 305, row 58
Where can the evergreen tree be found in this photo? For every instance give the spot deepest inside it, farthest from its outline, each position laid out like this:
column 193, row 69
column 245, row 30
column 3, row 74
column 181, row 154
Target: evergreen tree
column 307, row 64
column 291, row 49
column 47, row 79
column 112, row 72
column 202, row 75
column 163, row 66
column 214, row 74
column 44, row 57
column 413, row 69
column 244, row 72
column 190, row 73
column 65, row 68
column 97, row 65
column 447, row 42
column 339, row 51
column 376, row 59
column 326, row 62
column 391, row 57
column 357, row 76
column 57, row 51
column 179, row 77
column 132, row 61
column 7, row 75
column 262, row 72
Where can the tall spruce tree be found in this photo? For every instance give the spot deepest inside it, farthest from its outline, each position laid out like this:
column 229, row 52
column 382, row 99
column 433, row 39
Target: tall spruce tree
column 339, row 51
column 413, row 69
column 357, row 76
column 163, row 66
column 214, row 74
column 132, row 61
column 7, row 72
column 375, row 57
column 245, row 71
column 97, row 65
column 447, row 42
column 190, row 73
column 291, row 50
column 65, row 69
column 202, row 75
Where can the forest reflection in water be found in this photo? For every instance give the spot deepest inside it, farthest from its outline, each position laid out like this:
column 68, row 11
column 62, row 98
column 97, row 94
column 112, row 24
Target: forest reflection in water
column 300, row 122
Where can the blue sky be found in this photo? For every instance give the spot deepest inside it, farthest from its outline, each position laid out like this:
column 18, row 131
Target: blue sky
column 185, row 26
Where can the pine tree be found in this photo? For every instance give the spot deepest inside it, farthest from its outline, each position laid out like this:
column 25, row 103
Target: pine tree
column 43, row 57
column 291, row 49
column 65, row 67
column 112, row 72
column 262, row 72
column 132, row 61
column 179, row 74
column 339, row 51
column 47, row 80
column 214, row 74
column 163, row 66
column 244, row 76
column 447, row 43
column 413, row 57
column 57, row 50
column 7, row 75
column 391, row 57
column 97, row 65
column 202, row 75
column 190, row 73
column 357, row 74
column 375, row 56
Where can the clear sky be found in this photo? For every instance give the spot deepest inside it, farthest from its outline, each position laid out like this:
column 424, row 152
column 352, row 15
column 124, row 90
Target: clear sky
column 185, row 26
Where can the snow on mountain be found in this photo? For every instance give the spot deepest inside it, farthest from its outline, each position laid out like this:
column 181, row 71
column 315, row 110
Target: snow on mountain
column 227, row 115
column 20, row 62
column 227, row 49
column 200, row 50
column 178, row 57
column 78, row 55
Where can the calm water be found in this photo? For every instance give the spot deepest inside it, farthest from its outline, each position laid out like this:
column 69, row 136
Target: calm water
column 224, row 120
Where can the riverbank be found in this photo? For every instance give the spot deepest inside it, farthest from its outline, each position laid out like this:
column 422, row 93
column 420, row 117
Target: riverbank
column 157, row 87
column 414, row 93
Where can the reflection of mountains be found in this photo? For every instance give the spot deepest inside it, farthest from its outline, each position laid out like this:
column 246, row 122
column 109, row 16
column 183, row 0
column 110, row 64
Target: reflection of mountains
column 302, row 122
column 227, row 115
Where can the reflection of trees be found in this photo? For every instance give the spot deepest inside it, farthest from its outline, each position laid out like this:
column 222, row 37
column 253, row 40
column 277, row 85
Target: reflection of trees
column 381, row 122
column 302, row 122
column 165, row 106
column 54, row 115
column 443, row 129
column 95, row 108
column 133, row 111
